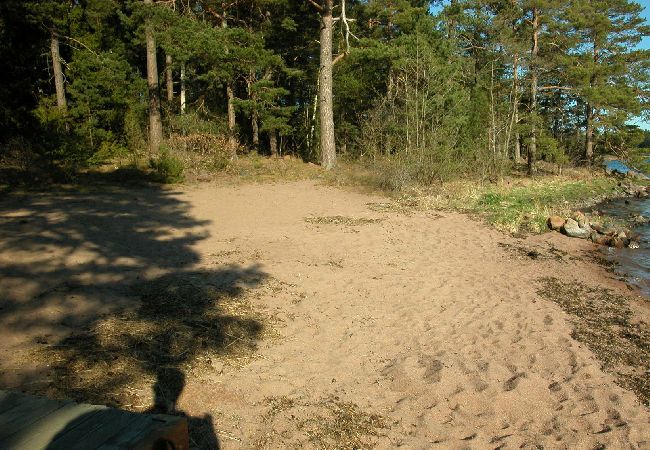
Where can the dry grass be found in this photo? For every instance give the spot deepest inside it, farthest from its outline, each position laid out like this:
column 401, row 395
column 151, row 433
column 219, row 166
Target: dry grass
column 259, row 169
column 342, row 425
column 330, row 424
column 605, row 322
column 341, row 220
column 514, row 204
column 186, row 325
column 538, row 253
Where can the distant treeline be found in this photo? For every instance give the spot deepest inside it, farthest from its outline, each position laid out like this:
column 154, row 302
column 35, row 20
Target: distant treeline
column 469, row 90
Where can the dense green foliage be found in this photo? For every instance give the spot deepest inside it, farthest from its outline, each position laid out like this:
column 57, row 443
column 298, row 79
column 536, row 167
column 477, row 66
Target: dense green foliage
column 426, row 96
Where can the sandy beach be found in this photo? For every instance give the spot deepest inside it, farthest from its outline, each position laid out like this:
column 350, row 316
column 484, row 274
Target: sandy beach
column 364, row 326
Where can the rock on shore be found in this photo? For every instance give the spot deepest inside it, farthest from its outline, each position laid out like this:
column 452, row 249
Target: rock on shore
column 583, row 227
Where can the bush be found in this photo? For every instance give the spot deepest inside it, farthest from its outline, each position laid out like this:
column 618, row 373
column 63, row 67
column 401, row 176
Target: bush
column 168, row 168
column 201, row 153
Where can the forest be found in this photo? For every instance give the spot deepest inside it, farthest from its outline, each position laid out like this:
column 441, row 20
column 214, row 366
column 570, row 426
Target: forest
column 423, row 91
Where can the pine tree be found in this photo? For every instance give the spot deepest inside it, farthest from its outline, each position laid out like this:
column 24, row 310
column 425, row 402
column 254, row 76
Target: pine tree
column 155, row 123
column 604, row 72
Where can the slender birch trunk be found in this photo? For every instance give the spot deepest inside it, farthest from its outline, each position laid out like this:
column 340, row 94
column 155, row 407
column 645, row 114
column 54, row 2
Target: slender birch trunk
column 183, row 88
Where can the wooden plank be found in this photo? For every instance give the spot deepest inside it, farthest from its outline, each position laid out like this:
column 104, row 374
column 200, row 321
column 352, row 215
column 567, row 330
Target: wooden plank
column 30, row 410
column 42, row 432
column 32, row 423
column 9, row 400
column 123, row 438
column 80, row 428
column 102, row 426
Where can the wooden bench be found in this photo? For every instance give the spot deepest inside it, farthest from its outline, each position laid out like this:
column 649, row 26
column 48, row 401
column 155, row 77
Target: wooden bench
column 33, row 423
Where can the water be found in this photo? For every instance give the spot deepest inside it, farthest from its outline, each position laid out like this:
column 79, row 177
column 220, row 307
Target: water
column 633, row 263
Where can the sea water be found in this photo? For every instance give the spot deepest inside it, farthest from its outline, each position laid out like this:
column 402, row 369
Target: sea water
column 633, row 263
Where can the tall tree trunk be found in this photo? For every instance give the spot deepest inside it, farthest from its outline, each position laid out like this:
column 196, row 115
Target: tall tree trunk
column 327, row 144
column 256, row 129
column 532, row 147
column 230, row 96
column 183, row 88
column 232, row 139
column 155, row 124
column 589, row 114
column 273, row 143
column 254, row 116
column 589, row 134
column 58, row 73
column 515, row 105
column 169, row 78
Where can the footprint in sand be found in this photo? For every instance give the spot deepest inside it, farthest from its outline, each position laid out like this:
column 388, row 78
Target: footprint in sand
column 432, row 367
column 512, row 382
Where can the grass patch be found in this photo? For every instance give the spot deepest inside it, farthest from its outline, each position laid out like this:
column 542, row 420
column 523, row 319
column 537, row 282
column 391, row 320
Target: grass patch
column 605, row 322
column 528, row 207
column 515, row 204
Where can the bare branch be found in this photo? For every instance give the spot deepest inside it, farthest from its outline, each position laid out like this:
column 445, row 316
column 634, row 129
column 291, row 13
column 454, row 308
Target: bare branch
column 316, row 5
column 346, row 33
column 80, row 43
column 338, row 57
column 561, row 88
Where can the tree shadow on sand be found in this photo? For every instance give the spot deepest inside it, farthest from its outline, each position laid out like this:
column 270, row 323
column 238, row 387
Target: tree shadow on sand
column 104, row 283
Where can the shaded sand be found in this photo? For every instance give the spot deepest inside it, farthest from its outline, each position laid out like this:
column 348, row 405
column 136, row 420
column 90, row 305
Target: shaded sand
column 382, row 329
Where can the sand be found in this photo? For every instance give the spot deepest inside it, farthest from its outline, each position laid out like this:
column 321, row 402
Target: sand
column 419, row 330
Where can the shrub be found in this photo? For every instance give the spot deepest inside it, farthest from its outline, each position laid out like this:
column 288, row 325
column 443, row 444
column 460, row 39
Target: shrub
column 167, row 167
column 200, row 152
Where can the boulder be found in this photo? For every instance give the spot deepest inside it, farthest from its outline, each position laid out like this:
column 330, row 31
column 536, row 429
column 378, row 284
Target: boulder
column 639, row 220
column 609, row 231
column 578, row 216
column 555, row 223
column 597, row 227
column 572, row 229
column 600, row 239
column 617, row 242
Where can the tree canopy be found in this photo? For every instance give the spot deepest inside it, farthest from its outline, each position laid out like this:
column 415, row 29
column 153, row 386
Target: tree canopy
column 469, row 89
